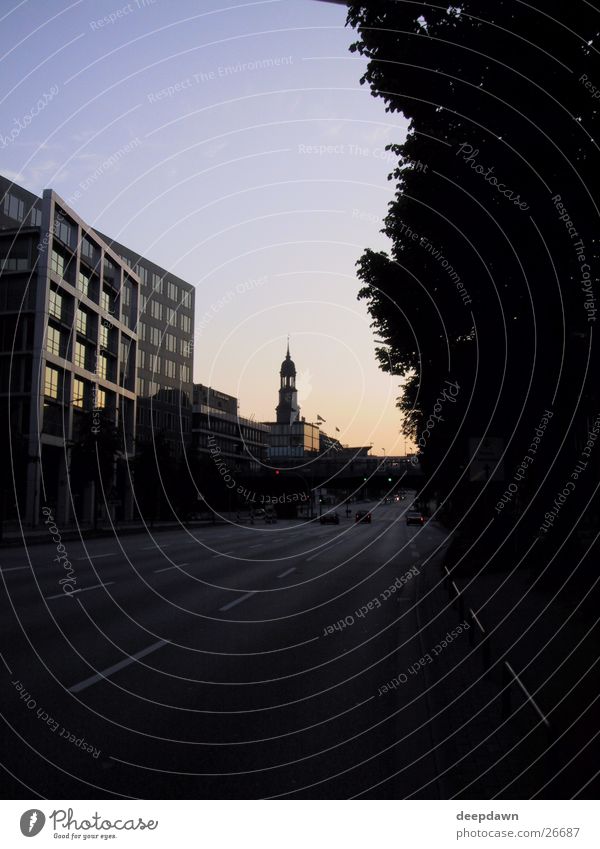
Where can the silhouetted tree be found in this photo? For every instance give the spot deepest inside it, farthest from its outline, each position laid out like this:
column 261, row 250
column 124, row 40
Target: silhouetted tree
column 484, row 284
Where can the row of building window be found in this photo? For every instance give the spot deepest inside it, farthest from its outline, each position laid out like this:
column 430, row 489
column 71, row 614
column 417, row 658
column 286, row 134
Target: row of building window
column 147, row 387
column 85, row 394
column 14, row 207
column 163, row 420
column 153, row 281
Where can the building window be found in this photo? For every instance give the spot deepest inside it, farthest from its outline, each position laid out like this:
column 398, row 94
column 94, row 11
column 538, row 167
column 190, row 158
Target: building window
column 57, row 263
column 156, row 310
column 51, row 382
column 53, row 341
column 81, row 322
column 110, row 273
column 88, row 250
column 107, row 301
column 83, row 283
column 78, row 393
column 14, row 207
column 157, row 283
column 64, row 229
column 55, row 304
column 104, row 335
column 80, row 355
column 142, row 274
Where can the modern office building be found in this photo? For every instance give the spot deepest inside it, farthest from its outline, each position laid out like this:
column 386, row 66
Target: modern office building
column 68, row 346
column 241, row 443
column 85, row 324
column 164, row 385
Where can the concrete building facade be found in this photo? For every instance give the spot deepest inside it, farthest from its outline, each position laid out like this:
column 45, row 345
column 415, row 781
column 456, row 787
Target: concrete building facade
column 87, row 327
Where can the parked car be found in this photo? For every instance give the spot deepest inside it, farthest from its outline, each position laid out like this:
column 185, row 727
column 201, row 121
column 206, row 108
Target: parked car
column 414, row 517
column 329, row 519
column 362, row 516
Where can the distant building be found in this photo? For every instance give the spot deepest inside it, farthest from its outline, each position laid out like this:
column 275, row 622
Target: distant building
column 287, row 410
column 292, row 438
column 164, row 384
column 241, row 442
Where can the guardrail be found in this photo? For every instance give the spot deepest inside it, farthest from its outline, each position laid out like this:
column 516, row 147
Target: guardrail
column 479, row 636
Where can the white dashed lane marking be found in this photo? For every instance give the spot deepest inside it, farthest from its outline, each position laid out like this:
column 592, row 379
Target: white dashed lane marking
column 235, row 602
column 100, row 676
column 82, row 590
column 97, row 556
column 166, row 568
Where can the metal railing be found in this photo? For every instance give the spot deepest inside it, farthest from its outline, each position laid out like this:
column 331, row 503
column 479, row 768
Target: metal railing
column 479, row 636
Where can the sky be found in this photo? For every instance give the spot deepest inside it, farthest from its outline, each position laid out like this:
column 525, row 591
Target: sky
column 233, row 144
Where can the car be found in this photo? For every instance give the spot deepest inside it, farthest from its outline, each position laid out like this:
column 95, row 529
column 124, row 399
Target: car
column 362, row 516
column 414, row 517
column 329, row 519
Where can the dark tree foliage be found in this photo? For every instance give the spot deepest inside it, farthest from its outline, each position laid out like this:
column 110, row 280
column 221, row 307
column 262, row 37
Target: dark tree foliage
column 484, row 284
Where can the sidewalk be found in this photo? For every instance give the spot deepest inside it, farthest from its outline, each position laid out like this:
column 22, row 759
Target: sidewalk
column 549, row 638
column 39, row 536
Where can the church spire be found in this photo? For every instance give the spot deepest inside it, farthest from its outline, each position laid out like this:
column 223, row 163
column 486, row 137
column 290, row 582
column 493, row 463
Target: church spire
column 287, row 409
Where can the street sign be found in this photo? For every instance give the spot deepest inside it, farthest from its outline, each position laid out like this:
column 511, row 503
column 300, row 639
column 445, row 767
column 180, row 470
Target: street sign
column 484, row 459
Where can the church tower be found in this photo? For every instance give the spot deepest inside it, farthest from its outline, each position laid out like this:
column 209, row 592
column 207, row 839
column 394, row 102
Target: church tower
column 288, row 410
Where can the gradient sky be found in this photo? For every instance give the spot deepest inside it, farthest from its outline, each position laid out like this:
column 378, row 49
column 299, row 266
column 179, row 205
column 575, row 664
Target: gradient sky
column 220, row 184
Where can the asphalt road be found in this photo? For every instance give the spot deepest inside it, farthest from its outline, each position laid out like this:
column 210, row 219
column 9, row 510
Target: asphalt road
column 228, row 662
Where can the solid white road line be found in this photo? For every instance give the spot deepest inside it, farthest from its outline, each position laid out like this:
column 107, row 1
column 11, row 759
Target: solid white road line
column 289, row 572
column 97, row 556
column 82, row 590
column 87, row 682
column 236, row 602
column 166, row 568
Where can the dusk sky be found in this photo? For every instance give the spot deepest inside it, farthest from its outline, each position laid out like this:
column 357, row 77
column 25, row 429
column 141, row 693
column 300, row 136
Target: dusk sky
column 248, row 159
